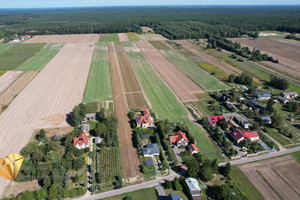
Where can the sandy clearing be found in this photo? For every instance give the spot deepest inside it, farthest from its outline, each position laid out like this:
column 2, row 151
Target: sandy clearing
column 46, row 100
column 287, row 54
column 276, row 178
column 129, row 158
column 150, row 37
column 19, row 187
column 176, row 79
column 8, row 78
column 74, row 38
column 123, row 37
column 223, row 66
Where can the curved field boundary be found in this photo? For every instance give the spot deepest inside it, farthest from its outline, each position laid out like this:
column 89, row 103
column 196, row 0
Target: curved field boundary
column 176, row 79
column 41, row 58
column 98, row 87
column 8, row 78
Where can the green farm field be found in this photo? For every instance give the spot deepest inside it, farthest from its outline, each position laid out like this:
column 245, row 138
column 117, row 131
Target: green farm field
column 3, row 47
column 147, row 193
column 164, row 102
column 244, row 185
column 41, row 58
column 14, row 56
column 133, row 37
column 197, row 74
column 109, row 38
column 98, row 87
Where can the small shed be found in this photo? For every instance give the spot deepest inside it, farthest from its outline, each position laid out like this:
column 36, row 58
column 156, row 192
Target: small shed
column 149, row 163
column 97, row 140
column 91, row 116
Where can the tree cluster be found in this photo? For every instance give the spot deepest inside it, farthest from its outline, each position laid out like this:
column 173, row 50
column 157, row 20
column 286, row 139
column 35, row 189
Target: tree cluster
column 279, row 83
column 244, row 78
column 107, row 129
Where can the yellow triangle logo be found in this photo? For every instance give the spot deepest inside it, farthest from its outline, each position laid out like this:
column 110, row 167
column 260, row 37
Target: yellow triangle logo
column 10, row 166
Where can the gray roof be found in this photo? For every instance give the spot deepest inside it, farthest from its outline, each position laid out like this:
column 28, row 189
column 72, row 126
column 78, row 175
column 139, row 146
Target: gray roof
column 288, row 93
column 263, row 117
column 173, row 196
column 151, row 149
column 254, row 104
column 281, row 99
column 90, row 115
column 149, row 163
column 262, row 94
column 146, row 136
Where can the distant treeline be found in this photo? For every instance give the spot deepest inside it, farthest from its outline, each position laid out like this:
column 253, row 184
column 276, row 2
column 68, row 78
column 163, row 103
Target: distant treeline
column 171, row 22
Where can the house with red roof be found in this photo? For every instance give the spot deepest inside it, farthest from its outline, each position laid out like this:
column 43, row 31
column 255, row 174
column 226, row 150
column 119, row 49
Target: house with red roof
column 145, row 121
column 239, row 136
column 179, row 139
column 193, row 149
column 81, row 142
column 213, row 120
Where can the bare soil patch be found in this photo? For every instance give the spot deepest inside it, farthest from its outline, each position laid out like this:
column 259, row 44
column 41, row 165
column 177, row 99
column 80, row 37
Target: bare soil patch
column 123, row 37
column 283, row 68
column 129, row 78
column 16, row 188
column 276, row 178
column 16, row 87
column 176, row 79
column 51, row 95
column 150, row 37
column 129, row 158
column 287, row 54
column 8, row 78
column 136, row 101
column 74, row 38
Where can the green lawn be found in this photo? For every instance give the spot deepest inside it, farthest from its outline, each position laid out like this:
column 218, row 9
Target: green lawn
column 109, row 38
column 277, row 136
column 3, row 47
column 98, row 87
column 164, row 102
column 17, row 54
column 143, row 194
column 244, row 185
column 197, row 74
column 41, row 58
column 133, row 37
column 168, row 191
column 296, row 156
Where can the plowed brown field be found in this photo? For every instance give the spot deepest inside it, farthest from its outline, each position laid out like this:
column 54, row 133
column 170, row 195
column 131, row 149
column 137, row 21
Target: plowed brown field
column 129, row 158
column 176, row 79
column 8, row 78
column 136, row 101
column 46, row 100
column 150, row 37
column 277, row 178
column 123, row 37
column 74, row 38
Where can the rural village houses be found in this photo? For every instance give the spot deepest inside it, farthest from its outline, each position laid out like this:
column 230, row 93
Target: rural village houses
column 179, row 139
column 150, row 150
column 239, row 136
column 145, row 121
column 81, row 142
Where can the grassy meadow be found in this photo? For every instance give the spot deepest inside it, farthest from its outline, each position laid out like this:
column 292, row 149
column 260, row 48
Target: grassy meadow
column 14, row 56
column 109, row 38
column 133, row 37
column 147, row 193
column 3, row 47
column 98, row 87
column 164, row 102
column 41, row 58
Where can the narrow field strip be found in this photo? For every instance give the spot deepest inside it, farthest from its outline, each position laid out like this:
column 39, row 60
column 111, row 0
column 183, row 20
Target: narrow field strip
column 133, row 37
column 17, row 54
column 98, row 87
column 109, row 37
column 41, row 58
column 8, row 78
column 198, row 75
column 123, row 37
column 136, row 101
column 163, row 100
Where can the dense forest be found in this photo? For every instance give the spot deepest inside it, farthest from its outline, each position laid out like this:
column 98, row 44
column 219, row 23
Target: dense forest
column 170, row 21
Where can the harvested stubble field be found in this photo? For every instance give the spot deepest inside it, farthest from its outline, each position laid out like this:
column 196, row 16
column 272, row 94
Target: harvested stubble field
column 123, row 37
column 46, row 100
column 129, row 158
column 177, row 80
column 17, row 54
column 136, row 101
column 41, row 58
column 152, row 37
column 8, row 78
column 74, row 38
column 130, row 81
column 194, row 72
column 287, row 54
column 98, row 86
column 276, row 178
column 109, row 37
column 163, row 101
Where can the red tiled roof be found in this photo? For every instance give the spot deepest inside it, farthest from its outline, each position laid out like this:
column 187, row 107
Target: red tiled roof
column 192, row 148
column 250, row 134
column 177, row 137
column 237, row 134
column 146, row 112
column 214, row 119
column 144, row 120
column 81, row 139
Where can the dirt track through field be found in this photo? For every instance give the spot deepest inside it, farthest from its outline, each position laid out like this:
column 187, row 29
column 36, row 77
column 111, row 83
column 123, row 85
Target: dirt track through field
column 129, row 158
column 176, row 79
column 8, row 78
column 123, row 37
column 228, row 70
column 74, row 38
column 46, row 100
column 276, row 178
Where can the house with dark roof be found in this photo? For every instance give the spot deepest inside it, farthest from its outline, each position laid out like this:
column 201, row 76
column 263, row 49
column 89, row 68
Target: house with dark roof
column 150, row 150
column 179, row 138
column 239, row 136
column 262, row 95
column 238, row 119
column 282, row 99
column 149, row 163
column 193, row 149
column 265, row 119
column 254, row 105
column 173, row 196
column 145, row 121
column 81, row 142
column 289, row 95
column 225, row 98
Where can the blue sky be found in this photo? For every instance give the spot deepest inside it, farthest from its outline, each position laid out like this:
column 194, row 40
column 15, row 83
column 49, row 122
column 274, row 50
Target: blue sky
column 80, row 3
